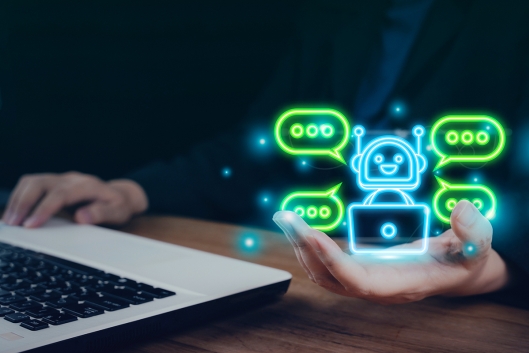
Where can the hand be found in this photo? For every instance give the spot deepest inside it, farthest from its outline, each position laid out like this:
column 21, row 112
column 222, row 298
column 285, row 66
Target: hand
column 38, row 197
column 448, row 268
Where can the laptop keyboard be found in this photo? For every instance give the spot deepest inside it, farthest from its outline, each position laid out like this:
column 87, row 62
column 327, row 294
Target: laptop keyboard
column 39, row 290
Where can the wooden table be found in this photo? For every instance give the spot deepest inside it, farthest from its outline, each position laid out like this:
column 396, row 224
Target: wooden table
column 310, row 319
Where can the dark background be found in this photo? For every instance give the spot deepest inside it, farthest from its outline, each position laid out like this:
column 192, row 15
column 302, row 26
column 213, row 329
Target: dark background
column 104, row 87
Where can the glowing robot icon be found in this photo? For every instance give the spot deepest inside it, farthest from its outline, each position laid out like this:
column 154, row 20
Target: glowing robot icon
column 388, row 162
column 388, row 165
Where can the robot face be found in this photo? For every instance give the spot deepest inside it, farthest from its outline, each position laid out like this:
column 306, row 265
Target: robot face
column 389, row 161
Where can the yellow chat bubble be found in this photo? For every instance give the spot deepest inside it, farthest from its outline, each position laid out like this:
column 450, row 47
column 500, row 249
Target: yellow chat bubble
column 313, row 132
column 321, row 210
column 467, row 139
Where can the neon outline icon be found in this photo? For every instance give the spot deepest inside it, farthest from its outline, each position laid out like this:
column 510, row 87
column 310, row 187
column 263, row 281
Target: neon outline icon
column 467, row 137
column 446, row 186
column 326, row 130
column 408, row 204
column 327, row 194
column 417, row 162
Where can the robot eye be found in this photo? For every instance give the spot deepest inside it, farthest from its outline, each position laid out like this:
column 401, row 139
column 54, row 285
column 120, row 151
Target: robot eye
column 379, row 158
column 398, row 158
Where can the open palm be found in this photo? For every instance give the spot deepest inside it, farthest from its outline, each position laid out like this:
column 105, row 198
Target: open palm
column 458, row 262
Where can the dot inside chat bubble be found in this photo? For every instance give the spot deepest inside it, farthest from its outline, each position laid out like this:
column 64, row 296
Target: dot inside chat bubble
column 448, row 195
column 313, row 132
column 467, row 139
column 321, row 210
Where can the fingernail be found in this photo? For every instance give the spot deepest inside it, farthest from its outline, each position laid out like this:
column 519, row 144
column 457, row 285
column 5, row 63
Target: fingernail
column 30, row 222
column 465, row 213
column 84, row 216
column 283, row 224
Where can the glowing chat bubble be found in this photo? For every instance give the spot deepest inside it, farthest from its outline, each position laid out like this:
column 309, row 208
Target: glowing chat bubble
column 447, row 197
column 321, row 210
column 314, row 132
column 467, row 138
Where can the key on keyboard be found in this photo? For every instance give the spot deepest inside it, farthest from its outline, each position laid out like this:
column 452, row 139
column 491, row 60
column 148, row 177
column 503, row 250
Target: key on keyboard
column 128, row 296
column 59, row 303
column 38, row 313
column 34, row 325
column 5, row 311
column 58, row 318
column 17, row 317
column 83, row 310
column 10, row 299
column 109, row 304
column 27, row 305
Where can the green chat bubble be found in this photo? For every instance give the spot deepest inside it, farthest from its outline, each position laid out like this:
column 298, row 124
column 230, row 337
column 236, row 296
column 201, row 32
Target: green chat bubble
column 446, row 198
column 467, row 139
column 321, row 210
column 313, row 132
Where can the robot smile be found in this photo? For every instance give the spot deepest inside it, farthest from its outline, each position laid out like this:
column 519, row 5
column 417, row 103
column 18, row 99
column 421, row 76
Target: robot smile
column 388, row 168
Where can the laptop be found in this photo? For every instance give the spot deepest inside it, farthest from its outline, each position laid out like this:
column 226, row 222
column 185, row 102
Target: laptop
column 67, row 287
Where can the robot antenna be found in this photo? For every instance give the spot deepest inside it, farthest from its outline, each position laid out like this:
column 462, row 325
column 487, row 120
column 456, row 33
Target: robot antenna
column 359, row 131
column 418, row 132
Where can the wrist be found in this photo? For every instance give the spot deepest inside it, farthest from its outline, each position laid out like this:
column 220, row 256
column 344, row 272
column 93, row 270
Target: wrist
column 134, row 194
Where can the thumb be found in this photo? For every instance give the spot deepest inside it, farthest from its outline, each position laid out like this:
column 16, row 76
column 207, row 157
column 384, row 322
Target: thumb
column 471, row 228
column 101, row 212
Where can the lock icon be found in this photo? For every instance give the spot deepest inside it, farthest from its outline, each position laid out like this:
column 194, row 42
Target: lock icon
column 380, row 227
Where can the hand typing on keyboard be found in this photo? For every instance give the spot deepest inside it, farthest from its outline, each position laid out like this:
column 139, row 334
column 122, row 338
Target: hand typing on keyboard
column 112, row 202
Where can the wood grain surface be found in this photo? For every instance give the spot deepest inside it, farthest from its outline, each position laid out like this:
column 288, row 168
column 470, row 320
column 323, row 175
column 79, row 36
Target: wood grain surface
column 310, row 319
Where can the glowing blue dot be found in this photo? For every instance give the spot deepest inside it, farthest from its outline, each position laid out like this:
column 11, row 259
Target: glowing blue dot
column 226, row 172
column 262, row 141
column 475, row 179
column 344, row 223
column 265, row 199
column 303, row 162
column 397, row 109
column 248, row 243
column 488, row 127
column 469, row 249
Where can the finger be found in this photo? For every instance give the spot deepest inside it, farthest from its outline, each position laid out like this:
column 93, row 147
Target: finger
column 102, row 213
column 24, row 198
column 351, row 275
column 52, row 203
column 296, row 250
column 471, row 228
column 316, row 269
column 61, row 197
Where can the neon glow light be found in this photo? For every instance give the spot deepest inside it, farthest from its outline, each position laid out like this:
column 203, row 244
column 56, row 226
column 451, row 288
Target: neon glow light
column 371, row 159
column 388, row 229
column 467, row 137
column 314, row 207
column 313, row 131
column 360, row 163
column 464, row 190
